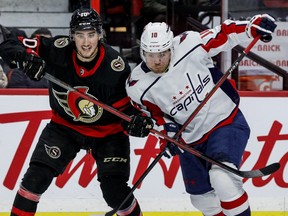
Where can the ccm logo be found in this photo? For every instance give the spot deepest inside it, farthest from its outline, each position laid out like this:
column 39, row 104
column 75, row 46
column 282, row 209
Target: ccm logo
column 115, row 159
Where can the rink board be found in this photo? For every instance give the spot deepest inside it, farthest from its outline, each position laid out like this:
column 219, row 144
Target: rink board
column 147, row 214
column 23, row 114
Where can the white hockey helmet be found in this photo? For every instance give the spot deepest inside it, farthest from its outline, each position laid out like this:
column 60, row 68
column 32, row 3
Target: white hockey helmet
column 156, row 37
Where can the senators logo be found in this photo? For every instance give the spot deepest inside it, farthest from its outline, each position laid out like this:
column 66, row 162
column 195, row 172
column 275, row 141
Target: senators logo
column 53, row 151
column 77, row 107
column 118, row 64
column 61, row 42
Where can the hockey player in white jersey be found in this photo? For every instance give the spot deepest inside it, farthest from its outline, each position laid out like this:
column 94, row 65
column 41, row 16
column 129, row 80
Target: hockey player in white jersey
column 175, row 76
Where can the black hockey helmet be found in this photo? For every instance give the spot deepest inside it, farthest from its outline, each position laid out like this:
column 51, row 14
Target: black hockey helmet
column 85, row 19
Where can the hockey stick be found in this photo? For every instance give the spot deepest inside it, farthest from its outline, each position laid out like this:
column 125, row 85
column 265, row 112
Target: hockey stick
column 217, row 85
column 245, row 174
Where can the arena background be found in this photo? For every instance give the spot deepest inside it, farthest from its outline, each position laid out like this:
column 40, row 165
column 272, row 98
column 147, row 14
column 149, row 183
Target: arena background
column 24, row 112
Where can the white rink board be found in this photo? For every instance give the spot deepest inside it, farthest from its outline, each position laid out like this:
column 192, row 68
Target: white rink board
column 23, row 117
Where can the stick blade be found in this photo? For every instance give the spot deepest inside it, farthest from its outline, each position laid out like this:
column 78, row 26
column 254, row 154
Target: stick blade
column 98, row 214
column 110, row 213
column 261, row 172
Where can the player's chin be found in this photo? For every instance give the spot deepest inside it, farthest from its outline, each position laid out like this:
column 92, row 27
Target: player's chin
column 159, row 70
column 86, row 54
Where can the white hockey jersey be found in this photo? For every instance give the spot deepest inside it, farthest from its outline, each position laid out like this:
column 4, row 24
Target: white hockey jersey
column 174, row 95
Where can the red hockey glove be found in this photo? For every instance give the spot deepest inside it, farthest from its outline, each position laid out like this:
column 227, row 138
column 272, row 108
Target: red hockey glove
column 170, row 129
column 261, row 25
column 139, row 126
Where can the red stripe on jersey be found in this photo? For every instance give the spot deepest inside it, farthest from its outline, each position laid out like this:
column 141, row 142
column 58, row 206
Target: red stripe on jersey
column 233, row 28
column 17, row 211
column 235, row 203
column 205, row 33
column 93, row 131
column 122, row 104
column 222, row 37
column 226, row 121
column 220, row 214
column 155, row 111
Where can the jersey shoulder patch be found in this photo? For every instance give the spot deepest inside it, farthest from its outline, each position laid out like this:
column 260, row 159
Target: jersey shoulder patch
column 118, row 64
column 61, row 42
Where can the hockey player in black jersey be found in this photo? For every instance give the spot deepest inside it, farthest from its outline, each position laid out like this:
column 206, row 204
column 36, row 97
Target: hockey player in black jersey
column 94, row 68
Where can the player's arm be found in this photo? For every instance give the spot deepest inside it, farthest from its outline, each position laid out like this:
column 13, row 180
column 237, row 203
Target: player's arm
column 15, row 54
column 231, row 33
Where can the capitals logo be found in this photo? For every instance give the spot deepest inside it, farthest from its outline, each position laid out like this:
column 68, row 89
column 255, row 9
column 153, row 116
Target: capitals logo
column 77, row 107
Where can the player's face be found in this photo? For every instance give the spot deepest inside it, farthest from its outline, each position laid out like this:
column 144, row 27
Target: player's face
column 158, row 62
column 86, row 42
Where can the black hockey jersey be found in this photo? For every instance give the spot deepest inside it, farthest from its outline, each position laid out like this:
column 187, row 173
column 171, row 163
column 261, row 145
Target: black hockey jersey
column 103, row 80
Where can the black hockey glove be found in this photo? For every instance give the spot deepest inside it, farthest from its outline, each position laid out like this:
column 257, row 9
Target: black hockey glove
column 33, row 66
column 261, row 25
column 139, row 126
column 170, row 129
